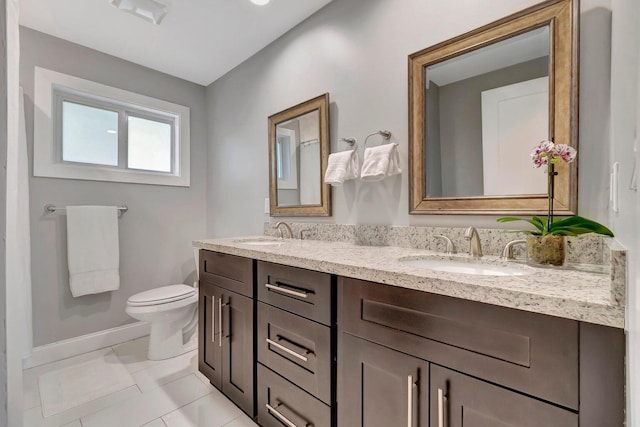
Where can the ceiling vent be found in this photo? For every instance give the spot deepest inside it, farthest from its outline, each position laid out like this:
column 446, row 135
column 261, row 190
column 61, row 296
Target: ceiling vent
column 149, row 10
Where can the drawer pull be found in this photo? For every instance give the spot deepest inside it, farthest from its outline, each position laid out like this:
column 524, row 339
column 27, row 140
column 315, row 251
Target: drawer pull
column 441, row 407
column 286, row 350
column 281, row 417
column 286, row 291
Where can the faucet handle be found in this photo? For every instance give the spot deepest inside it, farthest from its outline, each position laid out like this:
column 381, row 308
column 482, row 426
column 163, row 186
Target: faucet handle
column 450, row 249
column 303, row 233
column 507, row 252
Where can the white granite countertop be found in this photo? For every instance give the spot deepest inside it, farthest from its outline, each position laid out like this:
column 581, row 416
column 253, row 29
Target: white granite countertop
column 572, row 294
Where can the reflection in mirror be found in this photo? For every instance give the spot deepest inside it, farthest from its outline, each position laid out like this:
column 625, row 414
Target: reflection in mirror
column 298, row 150
column 478, row 105
column 298, row 160
column 487, row 110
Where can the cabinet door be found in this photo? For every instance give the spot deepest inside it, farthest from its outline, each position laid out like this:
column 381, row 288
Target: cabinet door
column 210, row 345
column 458, row 400
column 380, row 387
column 237, row 349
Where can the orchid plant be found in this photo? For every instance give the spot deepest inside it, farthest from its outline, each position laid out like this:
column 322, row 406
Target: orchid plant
column 549, row 154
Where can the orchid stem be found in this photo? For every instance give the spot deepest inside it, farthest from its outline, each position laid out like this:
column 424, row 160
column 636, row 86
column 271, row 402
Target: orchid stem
column 552, row 174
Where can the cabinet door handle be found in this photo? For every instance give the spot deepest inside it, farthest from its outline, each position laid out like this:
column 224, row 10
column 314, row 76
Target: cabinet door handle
column 213, row 318
column 281, row 417
column 410, row 401
column 286, row 291
column 286, row 350
column 220, row 320
column 442, row 399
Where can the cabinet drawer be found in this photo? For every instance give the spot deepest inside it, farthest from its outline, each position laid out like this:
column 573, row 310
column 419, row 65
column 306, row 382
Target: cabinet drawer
column 227, row 271
column 279, row 400
column 530, row 352
column 459, row 400
column 303, row 292
column 296, row 348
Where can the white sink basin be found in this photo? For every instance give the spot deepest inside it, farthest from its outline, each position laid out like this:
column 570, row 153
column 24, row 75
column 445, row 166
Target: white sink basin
column 259, row 241
column 464, row 266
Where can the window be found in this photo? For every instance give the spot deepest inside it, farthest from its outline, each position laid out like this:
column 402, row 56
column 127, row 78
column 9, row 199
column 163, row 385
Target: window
column 86, row 130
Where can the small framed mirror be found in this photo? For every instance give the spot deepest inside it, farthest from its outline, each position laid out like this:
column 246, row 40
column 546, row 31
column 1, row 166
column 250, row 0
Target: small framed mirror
column 479, row 103
column 298, row 153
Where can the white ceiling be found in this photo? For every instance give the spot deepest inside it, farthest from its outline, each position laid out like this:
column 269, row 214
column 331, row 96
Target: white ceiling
column 198, row 40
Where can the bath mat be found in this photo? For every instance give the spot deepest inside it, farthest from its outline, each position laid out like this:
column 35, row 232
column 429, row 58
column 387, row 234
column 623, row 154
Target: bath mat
column 72, row 386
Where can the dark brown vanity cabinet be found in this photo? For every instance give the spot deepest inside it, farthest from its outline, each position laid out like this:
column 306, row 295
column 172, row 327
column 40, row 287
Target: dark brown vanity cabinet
column 295, row 335
column 226, row 318
column 471, row 364
column 316, row 350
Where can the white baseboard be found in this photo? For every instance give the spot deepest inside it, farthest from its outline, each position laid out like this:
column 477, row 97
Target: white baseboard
column 83, row 344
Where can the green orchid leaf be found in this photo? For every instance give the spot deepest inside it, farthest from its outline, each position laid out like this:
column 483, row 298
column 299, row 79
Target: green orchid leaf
column 537, row 224
column 542, row 223
column 579, row 225
column 571, row 226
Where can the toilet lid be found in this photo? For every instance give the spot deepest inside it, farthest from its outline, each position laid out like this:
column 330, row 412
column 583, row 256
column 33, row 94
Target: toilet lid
column 162, row 295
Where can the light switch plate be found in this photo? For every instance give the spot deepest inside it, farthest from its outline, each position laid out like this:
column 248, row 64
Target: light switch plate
column 613, row 187
column 266, row 205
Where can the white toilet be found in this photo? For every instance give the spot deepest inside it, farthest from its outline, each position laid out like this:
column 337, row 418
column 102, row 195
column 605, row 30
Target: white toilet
column 172, row 312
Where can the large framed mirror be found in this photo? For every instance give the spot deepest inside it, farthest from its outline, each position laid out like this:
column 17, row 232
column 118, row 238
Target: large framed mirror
column 479, row 103
column 298, row 153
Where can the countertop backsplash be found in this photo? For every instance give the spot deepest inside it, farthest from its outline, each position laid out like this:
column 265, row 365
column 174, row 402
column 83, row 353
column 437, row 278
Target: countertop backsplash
column 591, row 249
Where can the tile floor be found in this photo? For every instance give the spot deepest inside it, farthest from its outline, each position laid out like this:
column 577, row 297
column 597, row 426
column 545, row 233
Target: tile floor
column 167, row 393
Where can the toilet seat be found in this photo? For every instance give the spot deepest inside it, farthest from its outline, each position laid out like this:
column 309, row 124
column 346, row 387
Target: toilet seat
column 162, row 295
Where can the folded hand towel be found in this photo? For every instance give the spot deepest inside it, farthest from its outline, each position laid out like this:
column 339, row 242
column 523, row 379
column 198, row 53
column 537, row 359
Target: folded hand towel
column 92, row 249
column 380, row 162
column 341, row 167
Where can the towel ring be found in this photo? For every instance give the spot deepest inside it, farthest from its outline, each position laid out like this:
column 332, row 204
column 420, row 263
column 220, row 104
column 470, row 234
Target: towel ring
column 351, row 142
column 386, row 135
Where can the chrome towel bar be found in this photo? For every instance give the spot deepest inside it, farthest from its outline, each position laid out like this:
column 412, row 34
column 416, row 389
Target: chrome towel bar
column 49, row 208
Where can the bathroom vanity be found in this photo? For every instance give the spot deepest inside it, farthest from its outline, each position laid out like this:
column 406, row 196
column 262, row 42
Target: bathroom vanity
column 334, row 334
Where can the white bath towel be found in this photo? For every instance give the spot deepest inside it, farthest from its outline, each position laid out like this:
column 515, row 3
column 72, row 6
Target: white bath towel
column 341, row 167
column 380, row 162
column 92, row 249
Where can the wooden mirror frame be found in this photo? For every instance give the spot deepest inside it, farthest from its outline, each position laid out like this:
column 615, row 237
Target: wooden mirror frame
column 561, row 17
column 320, row 103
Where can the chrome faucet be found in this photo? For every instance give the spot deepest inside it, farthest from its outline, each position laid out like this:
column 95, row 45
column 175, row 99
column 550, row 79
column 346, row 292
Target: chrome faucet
column 507, row 252
column 289, row 232
column 475, row 247
column 450, row 249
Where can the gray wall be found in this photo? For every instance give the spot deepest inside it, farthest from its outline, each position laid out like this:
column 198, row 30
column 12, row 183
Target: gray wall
column 625, row 124
column 357, row 51
column 3, row 217
column 156, row 232
column 461, row 125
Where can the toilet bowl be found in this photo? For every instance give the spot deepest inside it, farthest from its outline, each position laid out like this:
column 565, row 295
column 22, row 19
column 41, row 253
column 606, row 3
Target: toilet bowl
column 172, row 313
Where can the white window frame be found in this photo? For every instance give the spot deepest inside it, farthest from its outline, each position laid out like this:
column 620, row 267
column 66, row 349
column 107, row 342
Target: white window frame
column 52, row 87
